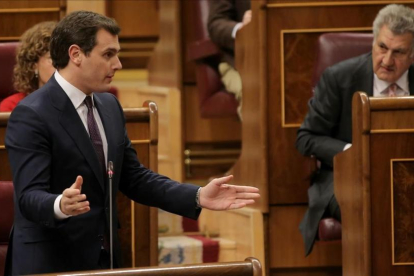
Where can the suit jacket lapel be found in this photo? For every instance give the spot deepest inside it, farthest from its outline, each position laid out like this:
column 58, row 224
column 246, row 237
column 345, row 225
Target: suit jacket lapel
column 364, row 78
column 71, row 122
column 107, row 122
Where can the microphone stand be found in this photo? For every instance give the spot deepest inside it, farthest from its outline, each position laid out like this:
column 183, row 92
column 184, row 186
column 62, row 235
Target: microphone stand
column 111, row 234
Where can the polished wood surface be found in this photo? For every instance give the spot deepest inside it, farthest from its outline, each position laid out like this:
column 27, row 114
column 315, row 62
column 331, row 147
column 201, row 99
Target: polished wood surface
column 249, row 267
column 139, row 22
column 139, row 225
column 283, row 226
column 372, row 184
column 165, row 64
column 18, row 16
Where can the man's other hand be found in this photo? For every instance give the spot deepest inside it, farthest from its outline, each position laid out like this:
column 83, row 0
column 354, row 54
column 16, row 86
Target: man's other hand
column 74, row 203
column 218, row 195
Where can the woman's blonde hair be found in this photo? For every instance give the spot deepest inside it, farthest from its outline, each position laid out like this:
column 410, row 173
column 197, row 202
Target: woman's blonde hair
column 34, row 44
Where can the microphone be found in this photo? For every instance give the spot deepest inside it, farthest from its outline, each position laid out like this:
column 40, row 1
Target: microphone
column 111, row 234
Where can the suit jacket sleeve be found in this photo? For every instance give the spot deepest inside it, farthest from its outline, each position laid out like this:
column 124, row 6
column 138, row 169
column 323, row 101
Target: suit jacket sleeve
column 147, row 187
column 221, row 21
column 315, row 135
column 29, row 153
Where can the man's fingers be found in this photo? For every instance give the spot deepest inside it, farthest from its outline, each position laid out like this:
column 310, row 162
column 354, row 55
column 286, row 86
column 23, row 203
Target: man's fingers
column 75, row 198
column 77, row 208
column 247, row 195
column 78, row 183
column 243, row 189
column 241, row 203
column 222, row 180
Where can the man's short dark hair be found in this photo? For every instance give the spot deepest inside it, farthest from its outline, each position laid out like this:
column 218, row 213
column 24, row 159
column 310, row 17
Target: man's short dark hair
column 78, row 28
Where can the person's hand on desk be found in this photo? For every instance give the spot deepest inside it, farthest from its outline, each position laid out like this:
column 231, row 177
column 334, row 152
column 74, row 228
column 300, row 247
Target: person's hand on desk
column 74, row 203
column 218, row 195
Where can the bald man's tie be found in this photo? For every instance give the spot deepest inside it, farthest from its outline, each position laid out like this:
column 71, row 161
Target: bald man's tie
column 392, row 90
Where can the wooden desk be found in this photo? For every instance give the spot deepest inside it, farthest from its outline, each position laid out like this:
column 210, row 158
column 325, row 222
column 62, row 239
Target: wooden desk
column 374, row 187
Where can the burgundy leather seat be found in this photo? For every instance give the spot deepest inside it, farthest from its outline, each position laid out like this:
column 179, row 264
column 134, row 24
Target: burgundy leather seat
column 214, row 100
column 331, row 49
column 8, row 60
column 6, row 219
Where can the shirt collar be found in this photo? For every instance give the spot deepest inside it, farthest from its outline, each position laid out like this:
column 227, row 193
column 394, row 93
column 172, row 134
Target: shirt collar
column 75, row 95
column 402, row 83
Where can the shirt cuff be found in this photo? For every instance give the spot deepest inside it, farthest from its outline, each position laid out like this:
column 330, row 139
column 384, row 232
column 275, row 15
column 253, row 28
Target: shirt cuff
column 347, row 146
column 58, row 213
column 197, row 199
column 235, row 29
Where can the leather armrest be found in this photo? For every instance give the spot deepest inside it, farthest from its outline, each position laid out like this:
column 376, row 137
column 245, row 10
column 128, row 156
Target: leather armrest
column 202, row 49
column 329, row 229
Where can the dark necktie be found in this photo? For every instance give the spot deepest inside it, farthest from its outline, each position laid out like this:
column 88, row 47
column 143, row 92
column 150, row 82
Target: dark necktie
column 95, row 135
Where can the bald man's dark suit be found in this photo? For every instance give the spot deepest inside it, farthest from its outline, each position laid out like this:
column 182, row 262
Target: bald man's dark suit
column 48, row 147
column 327, row 128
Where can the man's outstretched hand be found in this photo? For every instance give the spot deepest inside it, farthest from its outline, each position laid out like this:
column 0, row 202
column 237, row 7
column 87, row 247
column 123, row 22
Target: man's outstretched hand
column 218, row 195
column 74, row 203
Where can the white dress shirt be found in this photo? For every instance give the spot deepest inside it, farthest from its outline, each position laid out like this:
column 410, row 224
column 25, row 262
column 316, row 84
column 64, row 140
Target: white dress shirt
column 77, row 98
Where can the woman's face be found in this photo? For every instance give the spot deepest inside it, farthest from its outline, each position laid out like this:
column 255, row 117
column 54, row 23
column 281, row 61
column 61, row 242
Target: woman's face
column 45, row 68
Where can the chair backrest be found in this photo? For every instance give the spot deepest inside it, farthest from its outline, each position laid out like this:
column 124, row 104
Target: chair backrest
column 331, row 49
column 214, row 100
column 8, row 60
column 6, row 219
column 335, row 47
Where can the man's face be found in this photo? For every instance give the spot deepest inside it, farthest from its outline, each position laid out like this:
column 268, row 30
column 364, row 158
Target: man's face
column 99, row 67
column 391, row 54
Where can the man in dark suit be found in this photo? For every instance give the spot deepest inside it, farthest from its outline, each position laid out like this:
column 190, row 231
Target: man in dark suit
column 225, row 19
column 327, row 128
column 60, row 140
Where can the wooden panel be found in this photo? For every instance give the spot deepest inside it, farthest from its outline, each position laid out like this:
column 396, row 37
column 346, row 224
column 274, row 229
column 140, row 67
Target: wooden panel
column 17, row 16
column 188, row 18
column 136, row 18
column 165, row 64
column 364, row 184
column 402, row 210
column 198, row 129
column 139, row 22
column 98, row 6
column 29, row 4
column 381, row 155
column 386, row 120
column 286, row 245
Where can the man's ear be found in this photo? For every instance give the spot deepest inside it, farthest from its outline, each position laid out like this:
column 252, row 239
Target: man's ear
column 75, row 54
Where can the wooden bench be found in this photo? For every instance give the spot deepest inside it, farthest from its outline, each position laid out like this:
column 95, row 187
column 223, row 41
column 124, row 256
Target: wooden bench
column 249, row 267
column 374, row 187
